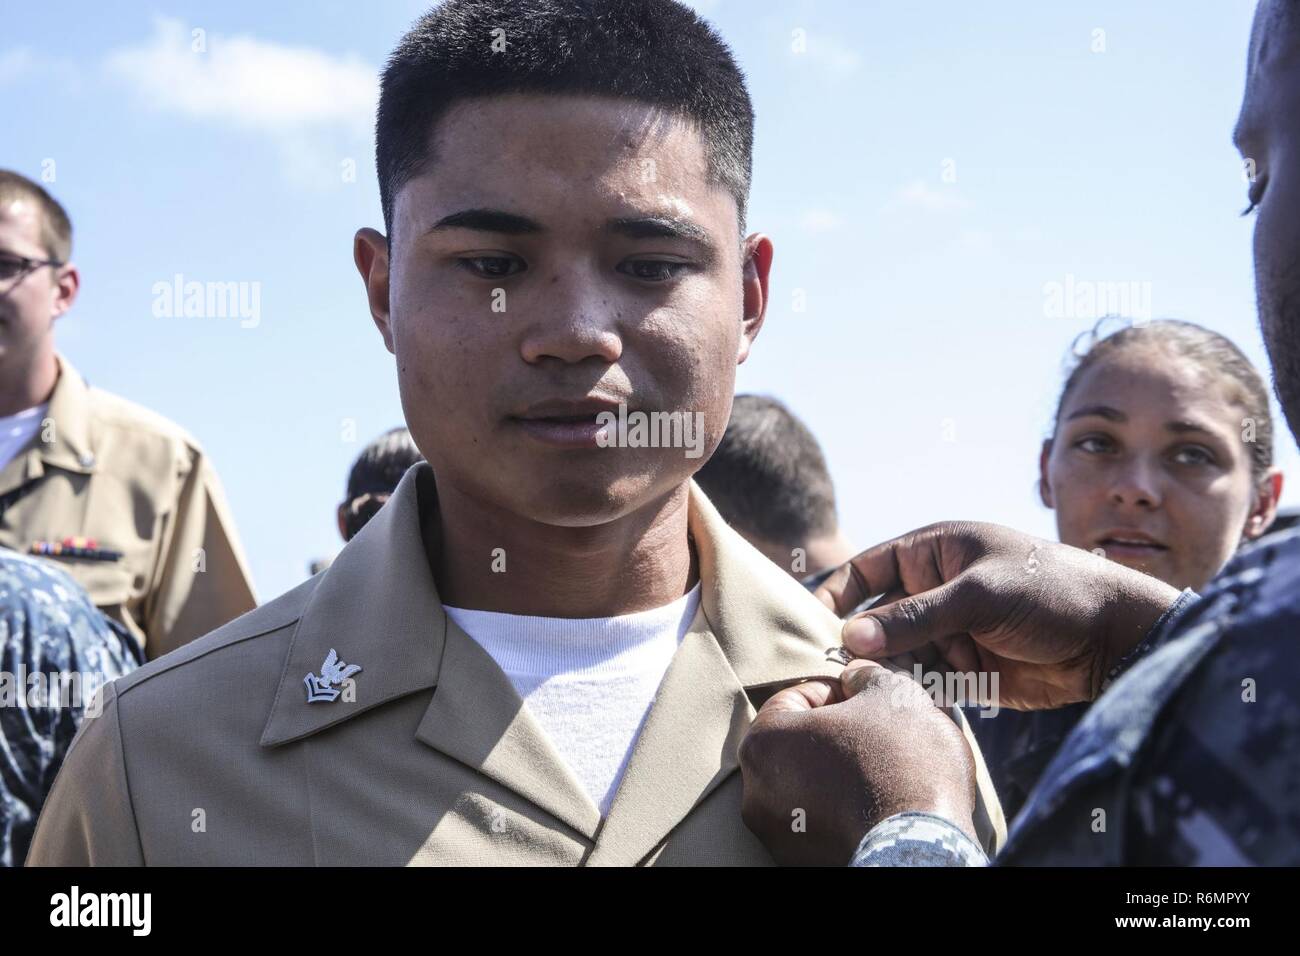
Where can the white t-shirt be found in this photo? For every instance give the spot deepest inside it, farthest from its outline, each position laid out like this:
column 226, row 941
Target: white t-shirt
column 588, row 682
column 17, row 430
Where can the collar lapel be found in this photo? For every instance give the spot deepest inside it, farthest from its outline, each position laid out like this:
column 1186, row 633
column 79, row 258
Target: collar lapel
column 770, row 629
column 477, row 718
column 377, row 607
column 22, row 468
column 70, row 411
column 686, row 748
column 757, row 629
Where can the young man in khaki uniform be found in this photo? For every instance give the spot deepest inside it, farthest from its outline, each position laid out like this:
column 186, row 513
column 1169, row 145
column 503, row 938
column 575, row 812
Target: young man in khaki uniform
column 122, row 499
column 474, row 679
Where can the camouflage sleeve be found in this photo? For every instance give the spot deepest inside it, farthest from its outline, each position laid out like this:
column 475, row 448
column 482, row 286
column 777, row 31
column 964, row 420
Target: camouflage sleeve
column 56, row 650
column 917, row 839
column 1196, row 748
column 1166, row 626
column 1217, row 784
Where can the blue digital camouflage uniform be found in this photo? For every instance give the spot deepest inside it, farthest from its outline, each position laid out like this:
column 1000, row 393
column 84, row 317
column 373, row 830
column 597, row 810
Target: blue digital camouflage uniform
column 1191, row 757
column 48, row 628
column 1018, row 745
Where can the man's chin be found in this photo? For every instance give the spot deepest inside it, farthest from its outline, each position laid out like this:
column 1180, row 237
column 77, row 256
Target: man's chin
column 587, row 500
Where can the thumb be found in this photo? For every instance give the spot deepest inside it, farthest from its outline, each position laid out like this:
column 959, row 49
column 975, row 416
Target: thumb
column 800, row 698
column 859, row 674
column 912, row 622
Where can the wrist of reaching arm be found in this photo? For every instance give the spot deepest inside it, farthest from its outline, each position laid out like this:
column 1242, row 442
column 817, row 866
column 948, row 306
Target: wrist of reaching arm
column 1152, row 638
column 1136, row 619
column 917, row 839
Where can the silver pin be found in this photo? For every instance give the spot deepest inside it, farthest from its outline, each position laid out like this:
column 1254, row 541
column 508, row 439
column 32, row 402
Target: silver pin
column 840, row 655
column 333, row 672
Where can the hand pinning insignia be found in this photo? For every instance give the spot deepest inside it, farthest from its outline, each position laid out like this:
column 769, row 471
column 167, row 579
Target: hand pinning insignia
column 332, row 673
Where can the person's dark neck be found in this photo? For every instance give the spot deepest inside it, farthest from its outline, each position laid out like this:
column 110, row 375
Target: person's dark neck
column 27, row 380
column 640, row 561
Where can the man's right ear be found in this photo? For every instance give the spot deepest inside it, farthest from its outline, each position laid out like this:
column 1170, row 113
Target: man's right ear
column 1045, row 486
column 370, row 253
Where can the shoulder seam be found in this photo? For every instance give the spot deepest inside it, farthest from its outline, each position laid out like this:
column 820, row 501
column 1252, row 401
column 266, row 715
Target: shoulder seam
column 121, row 412
column 212, row 650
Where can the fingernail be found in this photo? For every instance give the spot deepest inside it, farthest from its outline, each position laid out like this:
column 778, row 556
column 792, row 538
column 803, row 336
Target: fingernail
column 864, row 636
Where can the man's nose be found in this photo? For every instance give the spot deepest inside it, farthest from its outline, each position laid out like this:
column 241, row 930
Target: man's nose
column 575, row 320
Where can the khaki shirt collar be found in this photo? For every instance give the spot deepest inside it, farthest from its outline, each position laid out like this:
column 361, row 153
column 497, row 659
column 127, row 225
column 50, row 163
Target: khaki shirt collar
column 70, row 410
column 68, row 446
column 377, row 606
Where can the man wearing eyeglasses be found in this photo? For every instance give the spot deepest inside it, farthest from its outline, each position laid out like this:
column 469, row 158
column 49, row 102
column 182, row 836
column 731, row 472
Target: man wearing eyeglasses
column 122, row 499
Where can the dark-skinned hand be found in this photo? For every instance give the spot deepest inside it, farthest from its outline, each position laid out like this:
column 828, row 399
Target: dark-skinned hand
column 1048, row 619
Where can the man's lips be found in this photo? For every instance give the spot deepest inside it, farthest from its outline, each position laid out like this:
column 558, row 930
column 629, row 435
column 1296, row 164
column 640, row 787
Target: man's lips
column 566, row 423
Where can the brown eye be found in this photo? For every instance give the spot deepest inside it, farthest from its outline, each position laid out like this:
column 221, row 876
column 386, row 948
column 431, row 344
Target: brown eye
column 652, row 270
column 492, row 267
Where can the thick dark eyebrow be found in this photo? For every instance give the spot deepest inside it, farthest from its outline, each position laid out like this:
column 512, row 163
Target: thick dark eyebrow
column 1102, row 411
column 488, row 220
column 666, row 227
column 658, row 227
column 633, row 227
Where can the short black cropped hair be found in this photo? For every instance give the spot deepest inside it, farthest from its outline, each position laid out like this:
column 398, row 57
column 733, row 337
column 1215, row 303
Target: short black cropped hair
column 382, row 463
column 657, row 52
column 373, row 478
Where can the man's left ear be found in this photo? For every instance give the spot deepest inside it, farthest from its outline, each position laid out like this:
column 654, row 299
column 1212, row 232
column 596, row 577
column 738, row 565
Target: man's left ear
column 1264, row 508
column 65, row 291
column 756, row 267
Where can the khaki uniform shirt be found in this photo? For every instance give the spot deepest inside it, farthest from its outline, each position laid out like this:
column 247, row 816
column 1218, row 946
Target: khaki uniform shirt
column 103, row 468
column 214, row 756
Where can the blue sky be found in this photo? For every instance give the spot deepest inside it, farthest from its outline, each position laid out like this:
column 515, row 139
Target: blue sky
column 927, row 171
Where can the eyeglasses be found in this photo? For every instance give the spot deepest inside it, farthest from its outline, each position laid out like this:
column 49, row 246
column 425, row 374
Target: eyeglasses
column 12, row 266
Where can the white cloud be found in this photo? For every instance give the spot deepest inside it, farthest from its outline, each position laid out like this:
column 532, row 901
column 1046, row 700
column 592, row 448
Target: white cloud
column 318, row 110
column 248, row 82
column 920, row 193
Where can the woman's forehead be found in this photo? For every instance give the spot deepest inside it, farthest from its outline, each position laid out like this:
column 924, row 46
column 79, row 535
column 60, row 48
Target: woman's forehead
column 1154, row 382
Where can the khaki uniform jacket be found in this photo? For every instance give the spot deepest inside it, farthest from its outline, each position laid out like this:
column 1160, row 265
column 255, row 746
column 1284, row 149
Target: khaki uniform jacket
column 104, row 468
column 213, row 755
